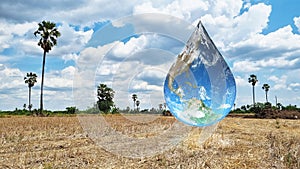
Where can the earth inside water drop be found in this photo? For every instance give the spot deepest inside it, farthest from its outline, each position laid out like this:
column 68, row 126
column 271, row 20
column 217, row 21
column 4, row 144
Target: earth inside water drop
column 200, row 88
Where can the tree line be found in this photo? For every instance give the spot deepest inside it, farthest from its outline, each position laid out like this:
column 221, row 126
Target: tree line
column 258, row 107
column 26, row 112
column 105, row 103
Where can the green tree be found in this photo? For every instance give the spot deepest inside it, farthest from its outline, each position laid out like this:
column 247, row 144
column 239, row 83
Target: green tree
column 49, row 34
column 105, row 98
column 266, row 87
column 137, row 105
column 243, row 107
column 71, row 110
column 290, row 107
column 134, row 98
column 253, row 79
column 30, row 79
column 279, row 106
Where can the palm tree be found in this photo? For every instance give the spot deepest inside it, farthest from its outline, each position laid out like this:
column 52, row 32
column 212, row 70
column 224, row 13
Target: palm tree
column 49, row 34
column 134, row 97
column 30, row 79
column 253, row 79
column 137, row 105
column 266, row 87
column 105, row 98
column 160, row 106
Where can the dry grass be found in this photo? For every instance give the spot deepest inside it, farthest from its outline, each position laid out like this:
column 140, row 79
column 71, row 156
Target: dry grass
column 59, row 142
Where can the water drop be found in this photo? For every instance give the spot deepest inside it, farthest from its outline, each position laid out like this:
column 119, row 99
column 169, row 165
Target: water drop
column 200, row 89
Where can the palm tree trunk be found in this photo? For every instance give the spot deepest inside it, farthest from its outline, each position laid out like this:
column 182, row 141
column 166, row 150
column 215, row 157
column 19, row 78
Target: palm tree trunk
column 253, row 96
column 267, row 96
column 29, row 95
column 42, row 84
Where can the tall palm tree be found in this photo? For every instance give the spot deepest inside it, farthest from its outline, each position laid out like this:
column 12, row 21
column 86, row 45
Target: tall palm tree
column 49, row 34
column 134, row 97
column 266, row 87
column 253, row 79
column 137, row 105
column 30, row 79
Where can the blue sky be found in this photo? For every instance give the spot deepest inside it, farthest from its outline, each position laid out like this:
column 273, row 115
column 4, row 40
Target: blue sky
column 133, row 54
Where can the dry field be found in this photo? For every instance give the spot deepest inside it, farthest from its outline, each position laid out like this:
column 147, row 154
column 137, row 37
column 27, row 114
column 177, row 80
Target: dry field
column 60, row 142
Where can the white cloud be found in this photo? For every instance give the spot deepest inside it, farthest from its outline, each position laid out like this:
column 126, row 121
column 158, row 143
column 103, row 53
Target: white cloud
column 56, row 83
column 150, row 49
column 96, row 11
column 109, row 68
column 70, row 56
column 68, row 72
column 229, row 8
column 280, row 62
column 69, row 35
column 90, row 57
column 271, row 63
column 13, row 90
column 11, row 33
column 280, row 44
column 59, row 80
column 19, row 29
column 280, row 82
column 71, row 41
column 152, row 74
column 280, row 38
column 142, row 85
column 294, row 86
column 10, row 78
column 228, row 28
column 297, row 23
column 241, row 81
column 247, row 5
column 20, row 37
column 224, row 106
column 160, row 24
column 245, row 66
column 181, row 9
column 133, row 46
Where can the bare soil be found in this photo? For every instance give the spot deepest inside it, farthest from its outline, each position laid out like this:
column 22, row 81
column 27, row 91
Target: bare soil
column 282, row 114
column 60, row 142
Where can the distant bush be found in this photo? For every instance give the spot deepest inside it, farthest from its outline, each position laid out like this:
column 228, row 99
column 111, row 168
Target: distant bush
column 266, row 110
column 291, row 108
column 167, row 113
column 69, row 110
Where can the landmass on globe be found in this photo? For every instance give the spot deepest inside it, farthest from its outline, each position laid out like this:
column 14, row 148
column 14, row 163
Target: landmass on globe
column 196, row 113
column 200, row 88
